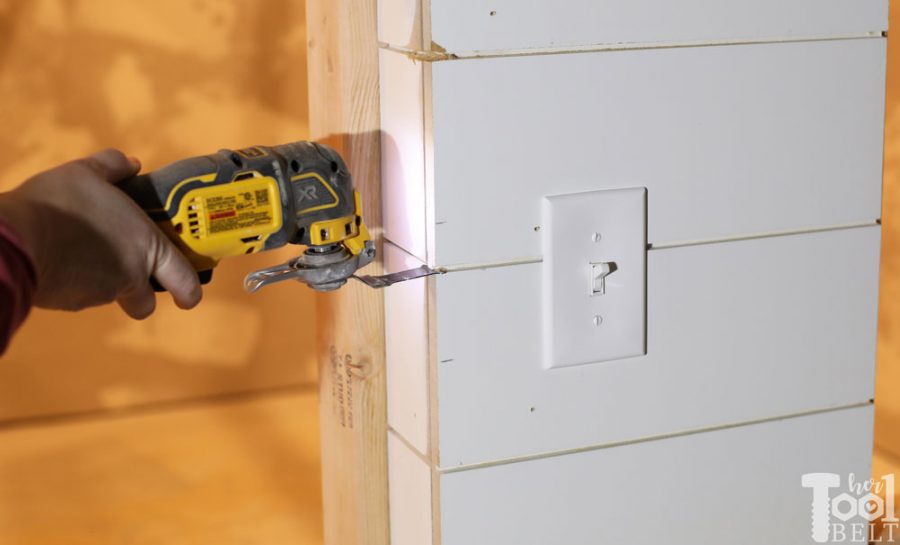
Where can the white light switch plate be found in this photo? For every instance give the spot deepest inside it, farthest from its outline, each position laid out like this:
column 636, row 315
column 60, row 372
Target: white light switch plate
column 586, row 236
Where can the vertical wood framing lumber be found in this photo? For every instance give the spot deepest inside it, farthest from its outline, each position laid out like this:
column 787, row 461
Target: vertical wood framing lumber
column 344, row 113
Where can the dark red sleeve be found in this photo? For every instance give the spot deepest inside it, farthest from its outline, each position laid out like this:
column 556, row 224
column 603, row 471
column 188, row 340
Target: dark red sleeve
column 17, row 282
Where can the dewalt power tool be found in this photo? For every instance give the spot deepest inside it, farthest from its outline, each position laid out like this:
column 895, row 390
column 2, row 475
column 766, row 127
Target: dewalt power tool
column 245, row 201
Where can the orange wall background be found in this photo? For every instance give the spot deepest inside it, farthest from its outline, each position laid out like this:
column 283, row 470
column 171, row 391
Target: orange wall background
column 161, row 80
column 887, row 386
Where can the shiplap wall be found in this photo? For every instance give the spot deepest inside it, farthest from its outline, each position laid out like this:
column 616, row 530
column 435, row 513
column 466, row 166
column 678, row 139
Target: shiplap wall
column 758, row 135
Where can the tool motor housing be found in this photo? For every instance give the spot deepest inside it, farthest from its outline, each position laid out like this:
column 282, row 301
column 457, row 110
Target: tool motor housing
column 250, row 200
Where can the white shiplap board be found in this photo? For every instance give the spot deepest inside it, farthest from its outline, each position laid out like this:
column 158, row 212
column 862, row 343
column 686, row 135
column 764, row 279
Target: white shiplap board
column 464, row 26
column 728, row 140
column 739, row 486
column 406, row 352
column 474, row 26
column 736, row 332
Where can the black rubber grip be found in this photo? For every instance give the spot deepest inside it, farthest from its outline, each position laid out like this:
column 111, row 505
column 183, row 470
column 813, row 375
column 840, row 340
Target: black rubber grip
column 204, row 276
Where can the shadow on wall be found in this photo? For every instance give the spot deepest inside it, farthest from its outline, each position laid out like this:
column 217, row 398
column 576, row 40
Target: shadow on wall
column 161, row 80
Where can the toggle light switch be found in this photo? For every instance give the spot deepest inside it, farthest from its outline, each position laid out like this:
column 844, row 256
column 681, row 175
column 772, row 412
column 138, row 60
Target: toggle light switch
column 594, row 276
column 599, row 272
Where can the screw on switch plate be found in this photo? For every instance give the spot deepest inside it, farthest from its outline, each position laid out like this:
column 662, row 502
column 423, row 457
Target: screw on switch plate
column 599, row 272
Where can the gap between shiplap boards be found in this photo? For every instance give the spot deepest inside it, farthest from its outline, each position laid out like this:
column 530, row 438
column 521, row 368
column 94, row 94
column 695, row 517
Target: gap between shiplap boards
column 660, row 246
column 696, row 431
column 441, row 55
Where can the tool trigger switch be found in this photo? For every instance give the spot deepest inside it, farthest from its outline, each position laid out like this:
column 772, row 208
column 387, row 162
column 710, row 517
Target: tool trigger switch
column 205, row 276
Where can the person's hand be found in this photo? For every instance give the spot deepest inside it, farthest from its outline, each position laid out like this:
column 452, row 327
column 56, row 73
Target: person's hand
column 91, row 244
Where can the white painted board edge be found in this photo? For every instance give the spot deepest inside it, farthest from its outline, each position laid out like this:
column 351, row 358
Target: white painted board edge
column 409, row 484
column 403, row 153
column 406, row 352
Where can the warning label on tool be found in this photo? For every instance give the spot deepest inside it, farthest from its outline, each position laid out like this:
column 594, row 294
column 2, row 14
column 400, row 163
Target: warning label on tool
column 239, row 211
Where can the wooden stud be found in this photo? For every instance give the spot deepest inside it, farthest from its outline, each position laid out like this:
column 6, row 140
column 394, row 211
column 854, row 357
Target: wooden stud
column 344, row 113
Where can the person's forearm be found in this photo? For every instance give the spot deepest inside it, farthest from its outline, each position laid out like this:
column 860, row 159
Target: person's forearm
column 22, row 222
column 17, row 283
